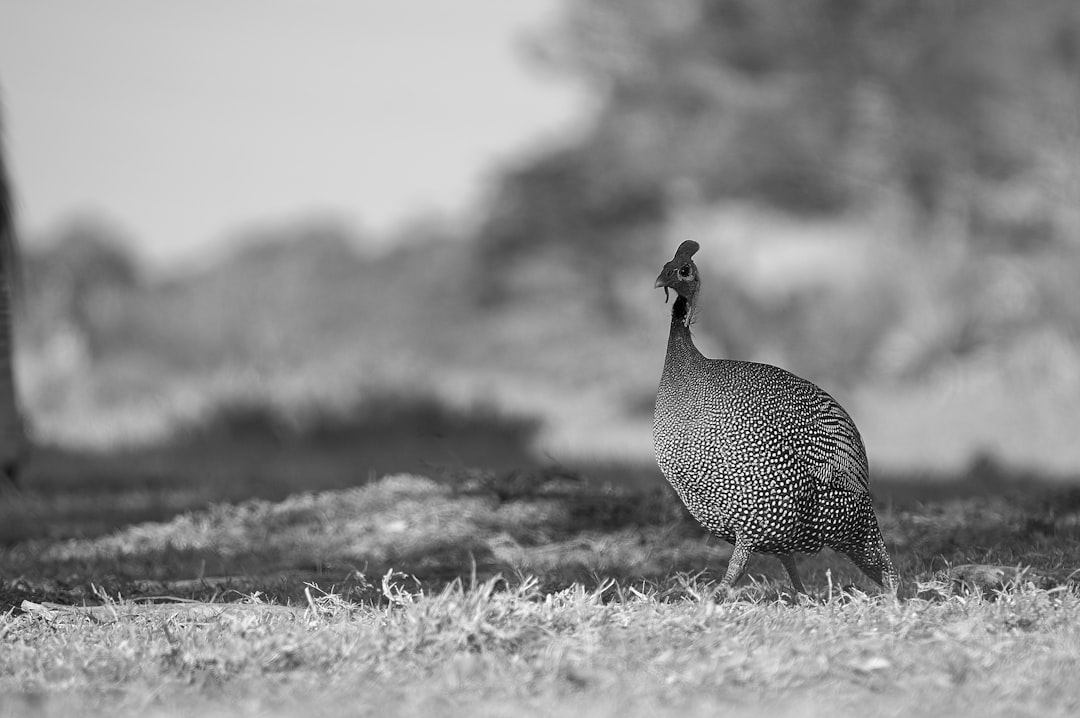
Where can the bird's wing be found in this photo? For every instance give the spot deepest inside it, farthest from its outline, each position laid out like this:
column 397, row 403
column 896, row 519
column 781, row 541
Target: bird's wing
column 822, row 435
column 808, row 426
column 838, row 449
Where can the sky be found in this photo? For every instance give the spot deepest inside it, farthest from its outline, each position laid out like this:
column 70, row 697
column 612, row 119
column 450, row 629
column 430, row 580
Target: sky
column 182, row 123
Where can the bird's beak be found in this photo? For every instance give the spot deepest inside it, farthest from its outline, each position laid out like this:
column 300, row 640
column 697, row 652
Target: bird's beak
column 660, row 283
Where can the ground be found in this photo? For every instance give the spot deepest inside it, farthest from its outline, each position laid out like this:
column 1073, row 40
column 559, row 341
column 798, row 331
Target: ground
column 535, row 591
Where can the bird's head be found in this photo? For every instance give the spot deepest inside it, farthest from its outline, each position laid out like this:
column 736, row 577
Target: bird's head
column 681, row 274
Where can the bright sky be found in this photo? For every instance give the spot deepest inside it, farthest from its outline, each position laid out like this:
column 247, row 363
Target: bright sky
column 182, row 122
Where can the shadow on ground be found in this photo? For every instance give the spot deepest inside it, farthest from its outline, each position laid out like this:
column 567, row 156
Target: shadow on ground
column 249, row 503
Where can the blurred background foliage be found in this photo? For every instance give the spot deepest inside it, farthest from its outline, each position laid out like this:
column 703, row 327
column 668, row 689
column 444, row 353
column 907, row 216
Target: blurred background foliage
column 887, row 195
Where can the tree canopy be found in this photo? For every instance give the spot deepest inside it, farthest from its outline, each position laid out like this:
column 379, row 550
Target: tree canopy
column 944, row 106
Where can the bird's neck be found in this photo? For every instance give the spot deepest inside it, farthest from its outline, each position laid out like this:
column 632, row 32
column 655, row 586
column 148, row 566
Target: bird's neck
column 680, row 347
column 680, row 310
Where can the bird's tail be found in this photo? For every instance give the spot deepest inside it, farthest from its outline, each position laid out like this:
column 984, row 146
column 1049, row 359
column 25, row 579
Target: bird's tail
column 872, row 558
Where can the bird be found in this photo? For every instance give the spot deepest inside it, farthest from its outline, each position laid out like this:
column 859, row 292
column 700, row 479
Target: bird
column 762, row 459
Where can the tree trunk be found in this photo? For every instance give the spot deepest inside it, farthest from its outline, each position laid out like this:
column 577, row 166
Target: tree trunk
column 12, row 437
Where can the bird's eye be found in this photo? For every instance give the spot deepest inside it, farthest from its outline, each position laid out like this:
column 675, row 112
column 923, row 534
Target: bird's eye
column 684, row 271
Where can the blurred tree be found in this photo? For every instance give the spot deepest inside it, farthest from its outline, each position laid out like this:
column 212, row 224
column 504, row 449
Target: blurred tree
column 76, row 276
column 561, row 202
column 305, row 248
column 811, row 106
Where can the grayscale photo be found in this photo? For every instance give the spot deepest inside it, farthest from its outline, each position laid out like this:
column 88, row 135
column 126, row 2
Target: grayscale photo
column 599, row 358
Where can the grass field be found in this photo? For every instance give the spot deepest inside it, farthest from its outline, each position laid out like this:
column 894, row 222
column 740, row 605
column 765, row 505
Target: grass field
column 493, row 649
column 254, row 569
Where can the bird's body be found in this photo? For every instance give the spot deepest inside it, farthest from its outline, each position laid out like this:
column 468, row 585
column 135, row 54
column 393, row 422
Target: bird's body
column 763, row 459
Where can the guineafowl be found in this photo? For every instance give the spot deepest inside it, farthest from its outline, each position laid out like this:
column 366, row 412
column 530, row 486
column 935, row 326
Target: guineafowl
column 763, row 459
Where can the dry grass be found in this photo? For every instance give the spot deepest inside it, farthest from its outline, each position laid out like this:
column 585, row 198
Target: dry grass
column 533, row 595
column 499, row 648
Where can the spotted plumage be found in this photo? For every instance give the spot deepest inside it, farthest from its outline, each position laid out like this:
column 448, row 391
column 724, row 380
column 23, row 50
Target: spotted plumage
column 763, row 459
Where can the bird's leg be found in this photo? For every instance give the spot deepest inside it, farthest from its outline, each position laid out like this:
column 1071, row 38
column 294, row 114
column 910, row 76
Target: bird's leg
column 792, row 571
column 736, row 565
